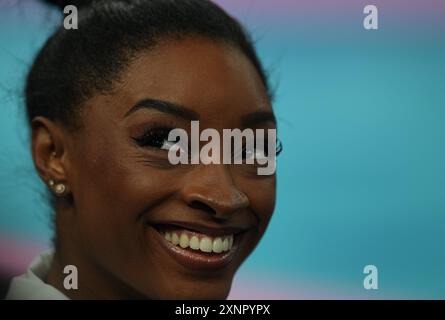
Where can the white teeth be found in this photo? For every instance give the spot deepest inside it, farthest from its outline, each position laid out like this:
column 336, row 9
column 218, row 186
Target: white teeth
column 204, row 244
column 184, row 240
column 175, row 239
column 194, row 243
column 225, row 244
column 230, row 241
column 217, row 245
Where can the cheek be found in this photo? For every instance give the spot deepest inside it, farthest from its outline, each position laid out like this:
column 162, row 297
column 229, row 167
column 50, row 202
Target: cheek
column 111, row 191
column 261, row 194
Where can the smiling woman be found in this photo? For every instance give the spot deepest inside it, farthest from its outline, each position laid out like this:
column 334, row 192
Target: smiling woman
column 133, row 226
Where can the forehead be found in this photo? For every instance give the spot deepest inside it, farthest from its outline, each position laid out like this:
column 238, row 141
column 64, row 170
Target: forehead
column 215, row 80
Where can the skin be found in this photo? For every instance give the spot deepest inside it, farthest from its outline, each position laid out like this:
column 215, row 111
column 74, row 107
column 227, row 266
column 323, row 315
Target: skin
column 116, row 187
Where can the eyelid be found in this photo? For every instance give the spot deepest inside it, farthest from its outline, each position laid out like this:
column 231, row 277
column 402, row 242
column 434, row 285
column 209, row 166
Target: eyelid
column 278, row 145
column 151, row 137
column 146, row 123
column 141, row 140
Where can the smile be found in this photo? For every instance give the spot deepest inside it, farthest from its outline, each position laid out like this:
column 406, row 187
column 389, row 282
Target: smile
column 199, row 242
column 203, row 249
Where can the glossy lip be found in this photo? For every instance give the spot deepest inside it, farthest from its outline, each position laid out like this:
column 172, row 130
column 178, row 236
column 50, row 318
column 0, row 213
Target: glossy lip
column 198, row 260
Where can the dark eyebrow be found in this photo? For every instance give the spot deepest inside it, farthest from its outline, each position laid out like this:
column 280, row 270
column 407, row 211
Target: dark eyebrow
column 164, row 106
column 255, row 118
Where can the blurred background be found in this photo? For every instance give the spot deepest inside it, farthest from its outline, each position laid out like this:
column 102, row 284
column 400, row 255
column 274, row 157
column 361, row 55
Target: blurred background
column 361, row 116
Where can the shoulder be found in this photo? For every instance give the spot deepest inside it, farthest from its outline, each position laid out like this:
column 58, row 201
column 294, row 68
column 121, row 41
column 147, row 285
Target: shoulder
column 31, row 285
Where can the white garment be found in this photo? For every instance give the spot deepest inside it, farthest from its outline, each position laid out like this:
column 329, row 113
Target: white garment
column 31, row 285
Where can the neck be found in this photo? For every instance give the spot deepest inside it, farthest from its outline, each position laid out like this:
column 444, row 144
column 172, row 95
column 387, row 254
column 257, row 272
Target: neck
column 94, row 281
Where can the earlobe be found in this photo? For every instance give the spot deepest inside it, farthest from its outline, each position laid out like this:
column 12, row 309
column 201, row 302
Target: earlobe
column 48, row 150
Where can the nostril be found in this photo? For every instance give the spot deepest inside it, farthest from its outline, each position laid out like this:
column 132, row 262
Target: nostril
column 196, row 204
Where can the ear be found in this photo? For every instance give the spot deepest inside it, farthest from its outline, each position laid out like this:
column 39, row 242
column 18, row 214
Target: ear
column 49, row 150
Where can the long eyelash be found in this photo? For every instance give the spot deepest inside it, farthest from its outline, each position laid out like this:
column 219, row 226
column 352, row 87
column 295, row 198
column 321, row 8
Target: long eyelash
column 279, row 147
column 152, row 136
column 161, row 133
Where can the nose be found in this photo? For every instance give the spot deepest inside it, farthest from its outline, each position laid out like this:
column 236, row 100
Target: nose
column 210, row 188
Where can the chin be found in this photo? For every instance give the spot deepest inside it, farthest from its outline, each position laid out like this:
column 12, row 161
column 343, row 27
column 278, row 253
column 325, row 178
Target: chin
column 192, row 289
column 208, row 291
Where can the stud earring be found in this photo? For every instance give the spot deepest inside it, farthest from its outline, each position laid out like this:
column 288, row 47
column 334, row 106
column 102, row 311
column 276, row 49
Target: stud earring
column 58, row 188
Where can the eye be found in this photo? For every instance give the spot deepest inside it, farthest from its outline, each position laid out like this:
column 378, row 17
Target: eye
column 260, row 151
column 253, row 153
column 155, row 138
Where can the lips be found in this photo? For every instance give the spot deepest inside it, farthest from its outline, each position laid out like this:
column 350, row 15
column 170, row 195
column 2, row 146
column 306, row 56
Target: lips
column 199, row 242
column 196, row 246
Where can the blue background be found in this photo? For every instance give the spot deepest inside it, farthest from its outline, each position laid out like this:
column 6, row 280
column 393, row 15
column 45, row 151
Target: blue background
column 361, row 179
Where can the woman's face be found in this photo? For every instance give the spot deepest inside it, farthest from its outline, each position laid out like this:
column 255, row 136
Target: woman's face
column 127, row 195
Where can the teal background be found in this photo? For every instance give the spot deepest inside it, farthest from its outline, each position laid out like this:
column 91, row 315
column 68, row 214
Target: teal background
column 361, row 179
